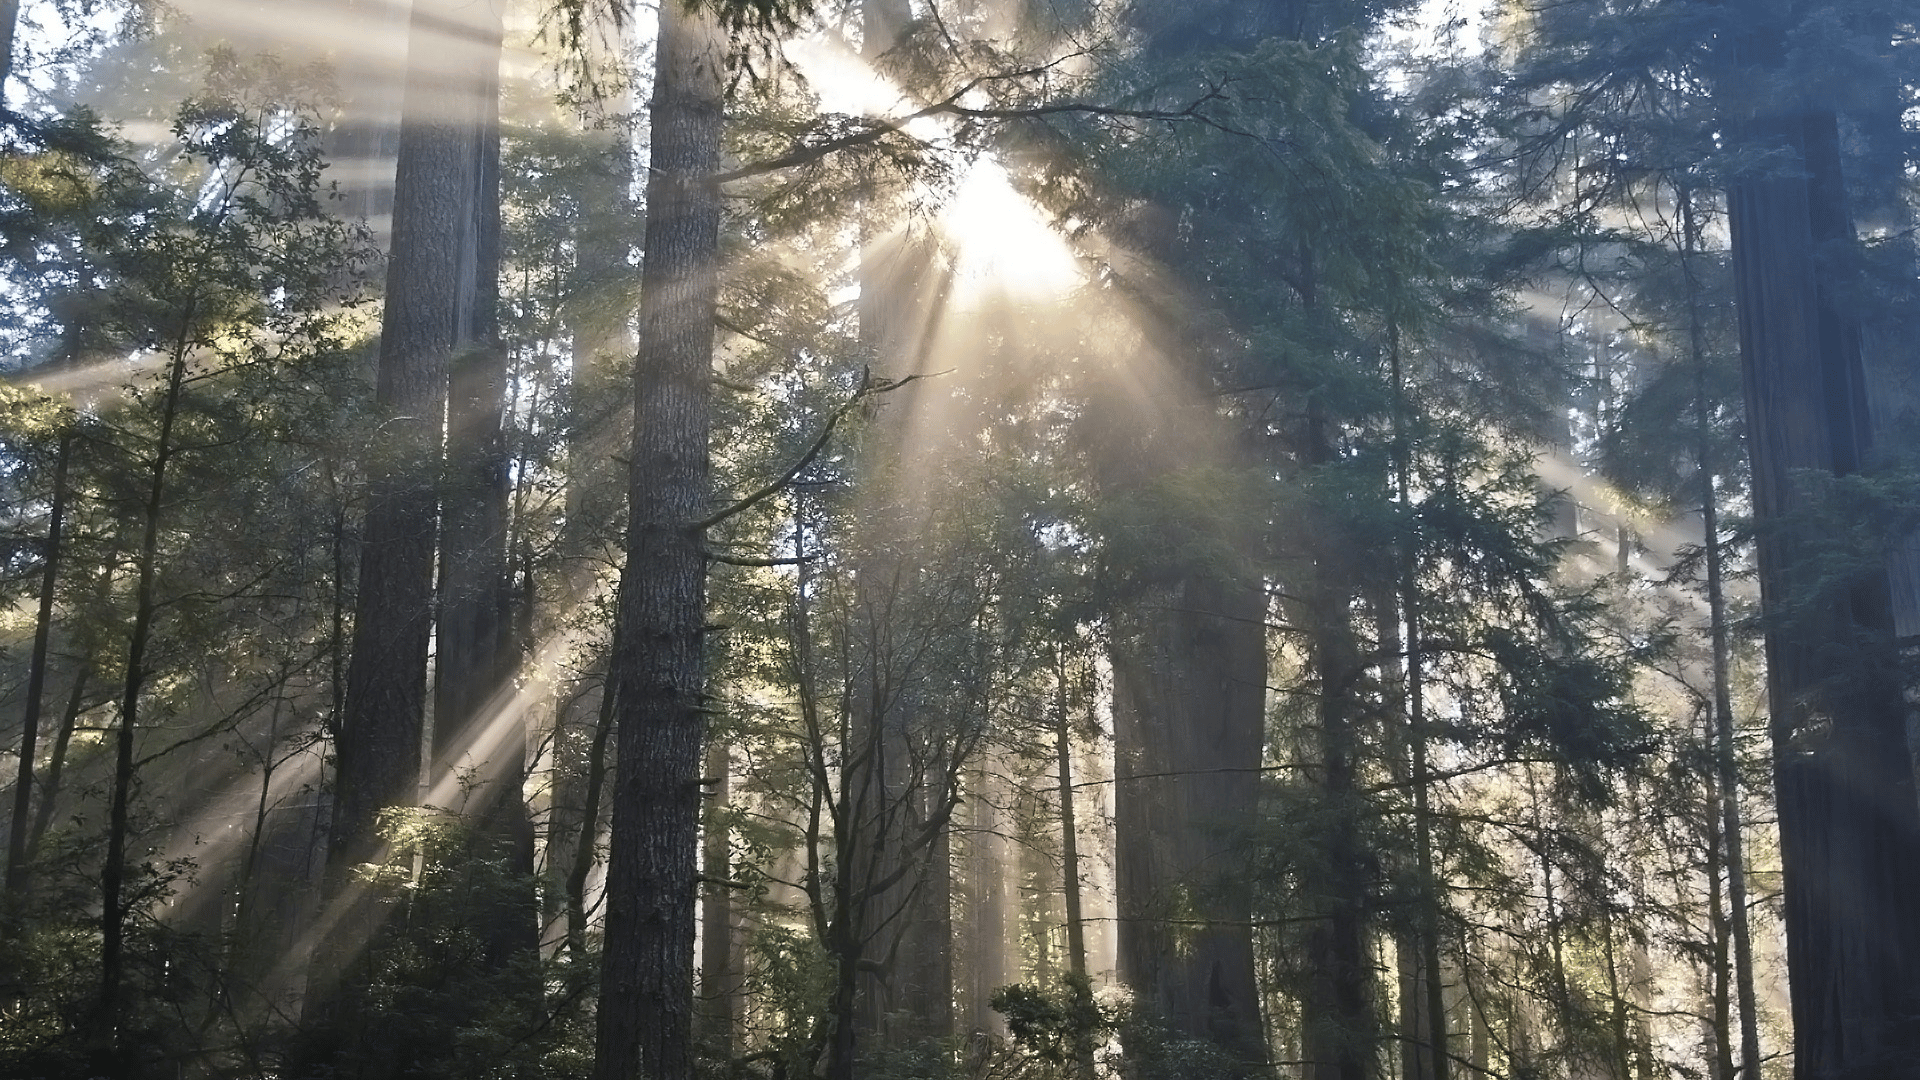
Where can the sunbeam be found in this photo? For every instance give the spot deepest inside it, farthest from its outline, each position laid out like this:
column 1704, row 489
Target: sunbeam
column 1006, row 247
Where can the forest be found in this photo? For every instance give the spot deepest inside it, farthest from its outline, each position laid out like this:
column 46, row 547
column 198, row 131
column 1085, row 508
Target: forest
column 960, row 539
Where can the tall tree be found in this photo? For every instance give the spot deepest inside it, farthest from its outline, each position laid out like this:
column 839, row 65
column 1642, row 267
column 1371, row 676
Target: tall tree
column 645, row 1025
column 1849, row 822
column 18, row 829
column 434, row 289
column 476, row 732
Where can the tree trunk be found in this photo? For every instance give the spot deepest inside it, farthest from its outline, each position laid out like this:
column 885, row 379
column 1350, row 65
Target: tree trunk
column 57, row 760
column 109, row 1020
column 1189, row 720
column 477, row 735
column 602, row 351
column 985, row 931
column 16, row 886
column 1079, row 982
column 1849, row 826
column 645, row 1018
column 1726, row 749
column 1720, row 937
column 720, row 982
column 906, row 927
column 429, row 316
column 1434, row 1063
column 1337, row 1008
column 587, row 843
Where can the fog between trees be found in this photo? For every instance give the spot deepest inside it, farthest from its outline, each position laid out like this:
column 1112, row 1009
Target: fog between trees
column 976, row 539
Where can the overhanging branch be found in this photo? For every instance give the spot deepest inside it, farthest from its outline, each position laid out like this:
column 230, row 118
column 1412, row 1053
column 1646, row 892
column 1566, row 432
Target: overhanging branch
column 951, row 106
column 868, row 386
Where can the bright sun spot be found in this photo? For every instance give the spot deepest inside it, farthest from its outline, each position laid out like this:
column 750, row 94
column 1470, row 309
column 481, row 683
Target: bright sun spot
column 1003, row 243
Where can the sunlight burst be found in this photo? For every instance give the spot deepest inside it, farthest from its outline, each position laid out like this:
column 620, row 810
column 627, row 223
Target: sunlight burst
column 1004, row 243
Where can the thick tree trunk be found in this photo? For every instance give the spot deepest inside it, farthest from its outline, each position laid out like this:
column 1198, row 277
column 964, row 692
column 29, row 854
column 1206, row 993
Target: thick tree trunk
column 720, row 981
column 1189, row 717
column 645, row 1018
column 1338, row 1007
column 1849, row 826
column 429, row 316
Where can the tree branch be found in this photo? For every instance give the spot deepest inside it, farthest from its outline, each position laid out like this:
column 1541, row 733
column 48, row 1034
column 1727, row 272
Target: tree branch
column 951, row 106
column 868, row 386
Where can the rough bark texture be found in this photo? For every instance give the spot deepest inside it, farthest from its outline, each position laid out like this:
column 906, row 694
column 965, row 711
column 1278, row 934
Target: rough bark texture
column 428, row 319
column 1337, row 1007
column 645, row 1019
column 721, row 981
column 1849, row 829
column 1189, row 712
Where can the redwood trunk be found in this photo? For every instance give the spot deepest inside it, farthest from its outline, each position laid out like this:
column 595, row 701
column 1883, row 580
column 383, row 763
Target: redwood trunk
column 1189, row 713
column 428, row 318
column 1849, row 828
column 645, row 1018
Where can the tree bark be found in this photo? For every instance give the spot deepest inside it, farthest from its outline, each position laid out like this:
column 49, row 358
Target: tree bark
column 586, row 848
column 57, row 760
column 429, row 317
column 1849, row 826
column 720, row 982
column 1337, row 1007
column 1434, row 1062
column 475, row 734
column 1079, row 981
column 1189, row 720
column 645, row 1018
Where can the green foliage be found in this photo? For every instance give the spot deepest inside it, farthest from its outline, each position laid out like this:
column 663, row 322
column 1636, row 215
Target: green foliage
column 1057, row 1026
column 443, row 998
